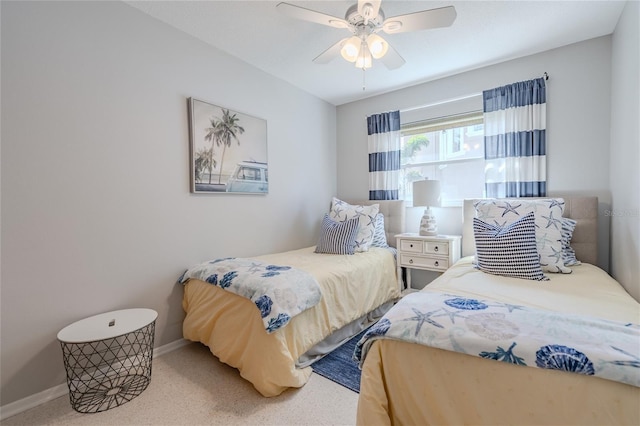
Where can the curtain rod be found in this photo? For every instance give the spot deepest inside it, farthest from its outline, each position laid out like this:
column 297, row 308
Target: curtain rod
column 544, row 75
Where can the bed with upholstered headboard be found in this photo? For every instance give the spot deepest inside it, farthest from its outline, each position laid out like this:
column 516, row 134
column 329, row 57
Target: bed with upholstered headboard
column 271, row 316
column 514, row 298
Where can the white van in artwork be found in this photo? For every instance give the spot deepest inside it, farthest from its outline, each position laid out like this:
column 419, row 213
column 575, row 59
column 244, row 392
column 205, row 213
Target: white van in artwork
column 249, row 176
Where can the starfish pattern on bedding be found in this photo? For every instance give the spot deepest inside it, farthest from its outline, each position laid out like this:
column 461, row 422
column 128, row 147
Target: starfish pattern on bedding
column 338, row 210
column 635, row 362
column 555, row 203
column 542, row 240
column 254, row 267
column 509, row 208
column 371, row 220
column 508, row 306
column 557, row 223
column 557, row 254
column 422, row 318
column 451, row 314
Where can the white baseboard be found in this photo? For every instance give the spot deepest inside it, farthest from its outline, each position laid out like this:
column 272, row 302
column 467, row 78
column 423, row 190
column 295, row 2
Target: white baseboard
column 47, row 395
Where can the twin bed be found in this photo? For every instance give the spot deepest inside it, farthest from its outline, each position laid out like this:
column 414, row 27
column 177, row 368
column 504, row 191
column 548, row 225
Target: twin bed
column 410, row 383
column 356, row 290
column 406, row 381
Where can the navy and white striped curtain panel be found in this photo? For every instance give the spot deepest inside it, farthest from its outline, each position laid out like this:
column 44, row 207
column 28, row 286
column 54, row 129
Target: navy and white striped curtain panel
column 515, row 140
column 384, row 155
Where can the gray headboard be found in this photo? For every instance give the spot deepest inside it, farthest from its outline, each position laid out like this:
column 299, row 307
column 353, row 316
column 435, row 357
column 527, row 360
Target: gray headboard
column 582, row 209
column 394, row 212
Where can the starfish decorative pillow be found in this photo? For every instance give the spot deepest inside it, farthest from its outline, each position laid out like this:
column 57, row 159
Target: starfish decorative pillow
column 548, row 220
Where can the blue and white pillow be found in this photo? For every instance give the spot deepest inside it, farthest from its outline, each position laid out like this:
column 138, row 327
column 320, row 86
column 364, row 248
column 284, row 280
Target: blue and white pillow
column 337, row 237
column 568, row 253
column 510, row 250
column 342, row 211
column 379, row 235
column 548, row 224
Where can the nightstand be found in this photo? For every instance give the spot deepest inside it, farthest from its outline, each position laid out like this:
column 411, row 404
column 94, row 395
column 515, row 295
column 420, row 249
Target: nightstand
column 429, row 253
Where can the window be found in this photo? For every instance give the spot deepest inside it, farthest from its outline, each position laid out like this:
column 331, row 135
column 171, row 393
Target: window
column 448, row 149
column 249, row 173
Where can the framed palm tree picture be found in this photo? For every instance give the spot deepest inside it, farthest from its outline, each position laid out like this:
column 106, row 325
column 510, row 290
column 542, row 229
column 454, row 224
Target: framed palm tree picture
column 228, row 150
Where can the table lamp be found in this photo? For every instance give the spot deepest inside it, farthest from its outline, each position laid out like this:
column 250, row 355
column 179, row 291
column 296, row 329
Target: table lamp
column 426, row 193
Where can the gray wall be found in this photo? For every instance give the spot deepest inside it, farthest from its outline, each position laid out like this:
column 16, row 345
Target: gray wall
column 578, row 128
column 96, row 210
column 625, row 150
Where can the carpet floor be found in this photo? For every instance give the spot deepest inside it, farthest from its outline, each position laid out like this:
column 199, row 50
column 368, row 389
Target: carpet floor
column 189, row 386
column 339, row 366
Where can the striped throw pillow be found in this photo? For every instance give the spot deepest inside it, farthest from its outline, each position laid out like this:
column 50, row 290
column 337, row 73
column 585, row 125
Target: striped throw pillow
column 568, row 253
column 510, row 250
column 337, row 237
column 379, row 236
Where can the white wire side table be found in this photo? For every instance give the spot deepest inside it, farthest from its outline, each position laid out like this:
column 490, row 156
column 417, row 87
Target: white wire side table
column 108, row 358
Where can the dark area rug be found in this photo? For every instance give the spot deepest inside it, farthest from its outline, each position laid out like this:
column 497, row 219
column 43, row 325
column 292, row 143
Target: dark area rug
column 339, row 366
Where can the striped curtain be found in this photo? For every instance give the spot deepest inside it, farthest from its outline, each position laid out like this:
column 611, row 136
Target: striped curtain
column 384, row 155
column 515, row 140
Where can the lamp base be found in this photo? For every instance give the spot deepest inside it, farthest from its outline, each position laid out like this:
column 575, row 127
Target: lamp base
column 428, row 224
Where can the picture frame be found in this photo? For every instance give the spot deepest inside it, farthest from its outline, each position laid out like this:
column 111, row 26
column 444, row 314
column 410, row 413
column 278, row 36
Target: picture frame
column 227, row 150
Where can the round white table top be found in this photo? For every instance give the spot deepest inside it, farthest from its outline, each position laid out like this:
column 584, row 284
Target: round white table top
column 107, row 325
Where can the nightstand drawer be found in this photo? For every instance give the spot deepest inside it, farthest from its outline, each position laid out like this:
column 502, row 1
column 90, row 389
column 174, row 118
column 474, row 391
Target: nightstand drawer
column 436, row 248
column 423, row 262
column 412, row 246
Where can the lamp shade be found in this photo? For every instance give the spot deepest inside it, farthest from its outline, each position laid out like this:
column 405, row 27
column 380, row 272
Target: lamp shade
column 351, row 48
column 377, row 46
column 426, row 193
column 364, row 60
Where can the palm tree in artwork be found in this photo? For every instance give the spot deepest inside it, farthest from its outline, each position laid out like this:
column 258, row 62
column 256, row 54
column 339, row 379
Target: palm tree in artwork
column 211, row 136
column 204, row 161
column 226, row 130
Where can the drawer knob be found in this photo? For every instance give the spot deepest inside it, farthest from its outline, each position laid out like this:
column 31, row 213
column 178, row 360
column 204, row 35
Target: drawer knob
column 410, row 245
column 436, row 263
column 435, row 248
column 410, row 260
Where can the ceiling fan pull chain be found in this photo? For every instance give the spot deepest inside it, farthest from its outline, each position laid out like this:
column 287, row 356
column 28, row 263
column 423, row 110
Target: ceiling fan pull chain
column 363, row 85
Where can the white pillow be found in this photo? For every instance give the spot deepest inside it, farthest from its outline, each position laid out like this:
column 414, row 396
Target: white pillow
column 342, row 211
column 548, row 219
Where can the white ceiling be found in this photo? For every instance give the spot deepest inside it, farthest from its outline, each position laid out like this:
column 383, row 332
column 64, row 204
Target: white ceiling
column 484, row 33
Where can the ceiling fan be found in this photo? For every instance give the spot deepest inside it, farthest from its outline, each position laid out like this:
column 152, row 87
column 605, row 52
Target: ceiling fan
column 365, row 20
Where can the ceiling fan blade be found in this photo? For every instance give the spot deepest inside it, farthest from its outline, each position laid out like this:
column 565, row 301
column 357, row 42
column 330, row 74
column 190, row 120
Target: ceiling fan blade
column 368, row 9
column 424, row 20
column 392, row 59
column 331, row 53
column 311, row 15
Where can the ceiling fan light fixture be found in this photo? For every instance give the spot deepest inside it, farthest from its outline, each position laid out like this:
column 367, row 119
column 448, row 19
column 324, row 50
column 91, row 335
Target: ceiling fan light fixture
column 351, row 49
column 391, row 27
column 364, row 61
column 377, row 46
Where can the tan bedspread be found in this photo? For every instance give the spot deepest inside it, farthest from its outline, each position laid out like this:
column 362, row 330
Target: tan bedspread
column 409, row 384
column 231, row 326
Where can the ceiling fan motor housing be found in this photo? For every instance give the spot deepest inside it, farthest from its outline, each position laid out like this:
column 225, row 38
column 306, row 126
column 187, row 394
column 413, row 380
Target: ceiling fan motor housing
column 354, row 18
